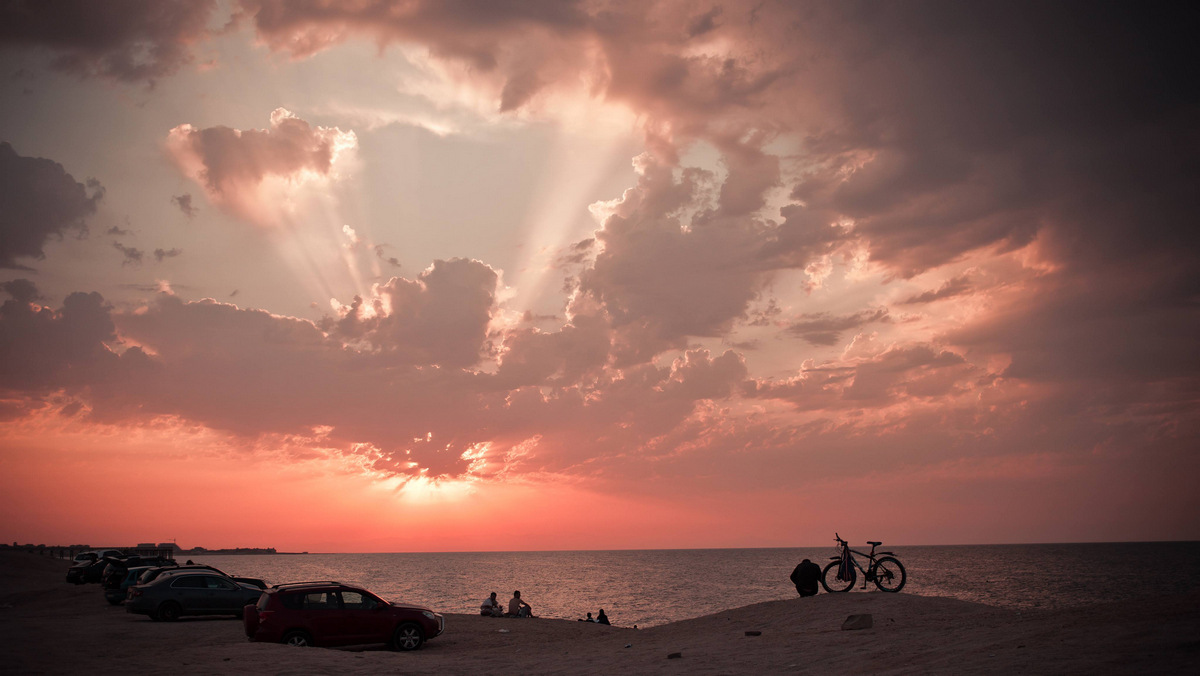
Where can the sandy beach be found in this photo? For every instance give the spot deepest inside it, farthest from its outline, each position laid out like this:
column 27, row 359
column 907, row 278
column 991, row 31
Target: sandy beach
column 50, row 627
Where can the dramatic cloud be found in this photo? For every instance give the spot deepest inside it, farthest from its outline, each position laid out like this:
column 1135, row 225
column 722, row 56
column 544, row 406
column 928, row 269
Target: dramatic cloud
column 22, row 290
column 254, row 174
column 439, row 318
column 130, row 40
column 43, row 350
column 661, row 282
column 184, row 202
column 39, row 200
column 806, row 166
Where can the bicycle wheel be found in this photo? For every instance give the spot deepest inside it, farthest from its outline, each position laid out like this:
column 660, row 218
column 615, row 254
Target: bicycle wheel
column 889, row 575
column 830, row 582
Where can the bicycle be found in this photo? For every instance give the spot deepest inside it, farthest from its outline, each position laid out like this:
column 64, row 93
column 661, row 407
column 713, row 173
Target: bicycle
column 885, row 571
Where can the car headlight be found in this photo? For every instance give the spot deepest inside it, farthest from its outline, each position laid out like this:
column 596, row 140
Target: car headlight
column 428, row 614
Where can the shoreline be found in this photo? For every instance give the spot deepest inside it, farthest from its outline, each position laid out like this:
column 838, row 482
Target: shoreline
column 59, row 626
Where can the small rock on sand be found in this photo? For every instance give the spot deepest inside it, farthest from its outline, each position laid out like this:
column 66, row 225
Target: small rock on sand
column 754, row 633
column 674, row 656
column 858, row 622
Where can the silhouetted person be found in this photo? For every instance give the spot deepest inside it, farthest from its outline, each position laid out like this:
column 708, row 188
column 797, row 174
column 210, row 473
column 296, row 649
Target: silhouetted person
column 589, row 618
column 490, row 606
column 518, row 608
column 806, row 577
column 602, row 618
column 189, row 563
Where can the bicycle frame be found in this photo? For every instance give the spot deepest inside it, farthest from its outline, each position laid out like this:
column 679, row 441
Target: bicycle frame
column 881, row 567
column 869, row 571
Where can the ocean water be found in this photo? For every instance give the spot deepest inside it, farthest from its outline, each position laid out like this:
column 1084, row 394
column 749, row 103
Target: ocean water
column 650, row 587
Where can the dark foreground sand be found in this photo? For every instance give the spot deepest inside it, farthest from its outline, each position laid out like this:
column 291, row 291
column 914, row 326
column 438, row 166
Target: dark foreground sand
column 48, row 626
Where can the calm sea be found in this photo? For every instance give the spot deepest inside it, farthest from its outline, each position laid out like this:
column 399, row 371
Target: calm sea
column 649, row 587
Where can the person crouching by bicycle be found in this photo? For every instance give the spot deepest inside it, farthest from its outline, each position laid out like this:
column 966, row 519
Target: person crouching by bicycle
column 806, row 577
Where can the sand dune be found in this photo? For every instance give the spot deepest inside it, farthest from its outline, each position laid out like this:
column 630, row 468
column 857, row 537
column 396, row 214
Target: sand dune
column 54, row 628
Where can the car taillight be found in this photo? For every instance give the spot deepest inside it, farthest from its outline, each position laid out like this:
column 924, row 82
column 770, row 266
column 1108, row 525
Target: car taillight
column 264, row 615
column 134, row 591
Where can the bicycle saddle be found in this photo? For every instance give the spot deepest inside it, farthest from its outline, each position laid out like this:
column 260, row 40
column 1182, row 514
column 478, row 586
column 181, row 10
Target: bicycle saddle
column 876, row 544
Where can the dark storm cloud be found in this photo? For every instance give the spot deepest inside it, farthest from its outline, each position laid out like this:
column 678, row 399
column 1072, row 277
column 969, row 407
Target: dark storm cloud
column 42, row 349
column 22, row 290
column 926, row 133
column 989, row 123
column 126, row 40
column 39, row 200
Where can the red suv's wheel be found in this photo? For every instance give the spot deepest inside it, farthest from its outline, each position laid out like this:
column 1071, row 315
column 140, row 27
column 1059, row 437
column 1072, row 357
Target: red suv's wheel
column 408, row 636
column 297, row 638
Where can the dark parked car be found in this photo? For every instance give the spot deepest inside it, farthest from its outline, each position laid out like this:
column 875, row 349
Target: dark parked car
column 116, row 567
column 332, row 614
column 82, row 573
column 173, row 595
column 116, row 588
column 150, row 575
column 75, row 572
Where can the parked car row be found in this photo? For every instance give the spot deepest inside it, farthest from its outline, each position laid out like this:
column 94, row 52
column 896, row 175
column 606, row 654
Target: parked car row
column 322, row 613
column 99, row 568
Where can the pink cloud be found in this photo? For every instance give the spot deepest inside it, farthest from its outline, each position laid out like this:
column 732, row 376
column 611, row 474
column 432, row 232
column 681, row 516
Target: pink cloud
column 256, row 174
column 439, row 318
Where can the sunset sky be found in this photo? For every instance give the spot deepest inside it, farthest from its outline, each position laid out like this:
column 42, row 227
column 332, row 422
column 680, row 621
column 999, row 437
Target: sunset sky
column 404, row 275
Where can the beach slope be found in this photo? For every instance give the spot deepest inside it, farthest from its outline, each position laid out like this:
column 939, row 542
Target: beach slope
column 51, row 627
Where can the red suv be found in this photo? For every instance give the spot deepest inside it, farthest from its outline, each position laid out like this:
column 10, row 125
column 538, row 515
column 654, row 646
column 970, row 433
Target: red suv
column 331, row 614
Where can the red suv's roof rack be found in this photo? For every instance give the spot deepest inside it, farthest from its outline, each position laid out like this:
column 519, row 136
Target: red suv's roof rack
column 303, row 584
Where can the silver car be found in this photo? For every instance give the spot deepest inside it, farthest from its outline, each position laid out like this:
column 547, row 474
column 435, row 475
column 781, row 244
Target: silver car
column 194, row 592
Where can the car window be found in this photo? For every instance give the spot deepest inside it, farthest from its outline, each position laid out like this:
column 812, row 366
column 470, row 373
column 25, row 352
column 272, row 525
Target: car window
column 321, row 601
column 291, row 601
column 219, row 583
column 352, row 600
column 189, row 582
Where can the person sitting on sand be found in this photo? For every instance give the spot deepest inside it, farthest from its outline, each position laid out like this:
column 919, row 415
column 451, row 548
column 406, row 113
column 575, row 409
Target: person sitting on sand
column 518, row 608
column 490, row 607
column 602, row 618
column 805, row 577
column 589, row 618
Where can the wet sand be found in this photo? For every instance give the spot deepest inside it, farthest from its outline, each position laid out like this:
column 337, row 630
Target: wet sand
column 48, row 626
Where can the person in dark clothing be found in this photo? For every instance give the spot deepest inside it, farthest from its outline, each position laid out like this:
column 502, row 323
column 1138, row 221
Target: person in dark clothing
column 805, row 577
column 602, row 618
